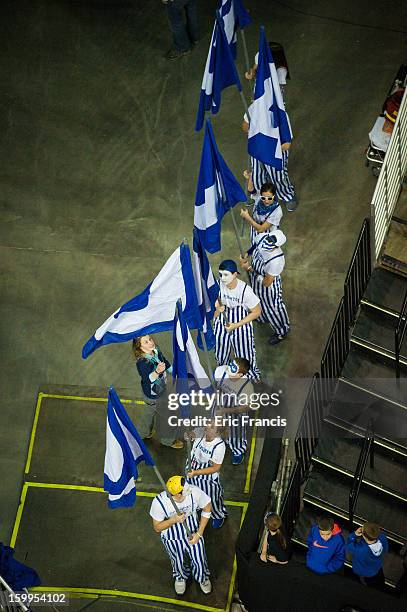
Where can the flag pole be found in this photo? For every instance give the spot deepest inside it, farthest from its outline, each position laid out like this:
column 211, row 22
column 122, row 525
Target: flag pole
column 177, row 510
column 178, row 309
column 246, row 55
column 239, row 244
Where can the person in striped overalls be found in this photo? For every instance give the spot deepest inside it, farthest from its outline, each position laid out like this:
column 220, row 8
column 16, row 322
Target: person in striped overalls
column 233, row 382
column 267, row 213
column 208, row 452
column 266, row 266
column 239, row 304
column 188, row 556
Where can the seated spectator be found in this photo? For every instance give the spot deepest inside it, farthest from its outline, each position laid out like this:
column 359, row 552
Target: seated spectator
column 326, row 547
column 275, row 546
column 382, row 130
column 368, row 545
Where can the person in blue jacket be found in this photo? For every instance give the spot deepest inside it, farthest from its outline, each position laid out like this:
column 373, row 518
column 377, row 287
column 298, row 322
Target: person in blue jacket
column 368, row 545
column 326, row 547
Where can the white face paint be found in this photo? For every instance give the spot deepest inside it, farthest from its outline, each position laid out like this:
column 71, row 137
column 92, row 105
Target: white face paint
column 225, row 276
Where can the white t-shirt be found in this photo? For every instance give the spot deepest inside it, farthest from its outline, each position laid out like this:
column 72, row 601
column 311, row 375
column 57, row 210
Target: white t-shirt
column 378, row 138
column 277, row 263
column 231, row 298
column 274, row 218
column 204, row 451
column 281, row 72
column 233, row 385
column 200, row 498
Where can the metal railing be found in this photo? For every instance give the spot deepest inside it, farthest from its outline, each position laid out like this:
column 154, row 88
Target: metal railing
column 309, row 427
column 390, row 182
column 400, row 333
column 359, row 271
column 336, row 351
column 5, row 603
column 290, row 507
column 366, row 452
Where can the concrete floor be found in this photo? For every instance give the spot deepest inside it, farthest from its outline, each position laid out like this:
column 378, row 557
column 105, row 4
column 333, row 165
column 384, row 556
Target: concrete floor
column 99, row 164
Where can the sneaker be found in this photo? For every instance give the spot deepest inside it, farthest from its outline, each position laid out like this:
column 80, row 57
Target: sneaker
column 273, row 340
column 206, row 586
column 217, row 523
column 292, row 204
column 237, row 459
column 174, row 54
column 177, row 444
column 180, row 586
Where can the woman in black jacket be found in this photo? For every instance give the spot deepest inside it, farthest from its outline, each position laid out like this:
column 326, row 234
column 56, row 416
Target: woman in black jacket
column 153, row 368
column 275, row 546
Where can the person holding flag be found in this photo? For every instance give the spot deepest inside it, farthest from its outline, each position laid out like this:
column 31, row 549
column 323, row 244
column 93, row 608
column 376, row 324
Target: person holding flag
column 208, row 452
column 153, row 368
column 236, row 308
column 266, row 266
column 187, row 555
column 266, row 213
column 269, row 130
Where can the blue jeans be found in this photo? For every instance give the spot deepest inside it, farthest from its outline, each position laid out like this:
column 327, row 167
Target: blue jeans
column 183, row 32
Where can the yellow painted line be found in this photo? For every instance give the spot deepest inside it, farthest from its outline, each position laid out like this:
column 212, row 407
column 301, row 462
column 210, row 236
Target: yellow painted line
column 33, row 432
column 19, row 515
column 250, row 463
column 69, row 487
column 89, row 399
column 130, row 594
column 234, row 569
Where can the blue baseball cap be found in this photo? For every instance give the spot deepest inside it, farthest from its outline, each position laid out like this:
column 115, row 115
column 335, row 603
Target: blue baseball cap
column 228, row 264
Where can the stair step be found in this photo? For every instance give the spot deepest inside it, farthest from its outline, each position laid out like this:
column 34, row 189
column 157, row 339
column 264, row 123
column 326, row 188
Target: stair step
column 339, row 451
column 360, row 400
column 392, row 564
column 333, row 490
column 361, row 364
column 385, row 289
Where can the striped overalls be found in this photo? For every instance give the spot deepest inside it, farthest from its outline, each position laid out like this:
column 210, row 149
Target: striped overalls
column 262, row 173
column 241, row 340
column 237, row 439
column 209, row 483
column 176, row 544
column 273, row 309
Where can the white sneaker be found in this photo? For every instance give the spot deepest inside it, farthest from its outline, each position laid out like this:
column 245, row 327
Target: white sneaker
column 206, row 586
column 180, row 586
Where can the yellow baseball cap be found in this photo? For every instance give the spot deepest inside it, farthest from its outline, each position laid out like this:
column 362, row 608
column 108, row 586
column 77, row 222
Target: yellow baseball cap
column 175, row 484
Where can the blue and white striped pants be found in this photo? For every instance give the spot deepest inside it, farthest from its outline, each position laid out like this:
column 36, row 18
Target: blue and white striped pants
column 241, row 340
column 273, row 309
column 263, row 173
column 180, row 551
column 237, row 439
column 214, row 489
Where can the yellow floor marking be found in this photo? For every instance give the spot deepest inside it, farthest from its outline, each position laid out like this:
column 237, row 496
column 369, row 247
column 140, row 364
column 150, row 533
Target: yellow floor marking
column 234, row 569
column 250, row 463
column 19, row 515
column 33, row 432
column 89, row 399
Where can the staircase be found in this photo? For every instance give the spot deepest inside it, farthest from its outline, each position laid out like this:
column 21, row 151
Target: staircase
column 366, row 390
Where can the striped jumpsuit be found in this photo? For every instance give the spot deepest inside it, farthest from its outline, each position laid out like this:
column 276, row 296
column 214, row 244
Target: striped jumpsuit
column 273, row 309
column 241, row 340
column 204, row 454
column 237, row 439
column 263, row 173
column 186, row 559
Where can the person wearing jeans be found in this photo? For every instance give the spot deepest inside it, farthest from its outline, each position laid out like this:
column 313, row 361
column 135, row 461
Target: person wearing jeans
column 183, row 20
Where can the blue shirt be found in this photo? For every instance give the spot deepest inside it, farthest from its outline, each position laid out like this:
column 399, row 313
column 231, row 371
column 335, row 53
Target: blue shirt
column 367, row 559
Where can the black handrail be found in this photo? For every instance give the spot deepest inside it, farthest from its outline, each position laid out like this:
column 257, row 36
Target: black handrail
column 359, row 272
column 336, row 351
column 309, row 426
column 291, row 503
column 400, row 333
column 366, row 451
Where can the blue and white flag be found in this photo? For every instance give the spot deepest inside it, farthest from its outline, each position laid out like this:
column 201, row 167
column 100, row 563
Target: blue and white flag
column 207, row 290
column 186, row 367
column 153, row 310
column 234, row 16
column 269, row 123
column 217, row 192
column 124, row 451
column 220, row 72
